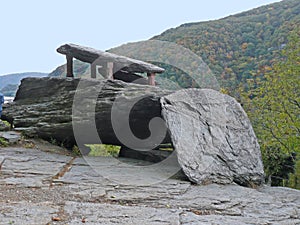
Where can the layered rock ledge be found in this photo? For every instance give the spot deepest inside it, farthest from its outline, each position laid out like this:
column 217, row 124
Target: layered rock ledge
column 32, row 193
column 210, row 132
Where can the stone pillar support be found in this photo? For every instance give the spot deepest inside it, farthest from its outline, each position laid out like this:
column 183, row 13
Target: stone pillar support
column 151, row 79
column 110, row 70
column 69, row 66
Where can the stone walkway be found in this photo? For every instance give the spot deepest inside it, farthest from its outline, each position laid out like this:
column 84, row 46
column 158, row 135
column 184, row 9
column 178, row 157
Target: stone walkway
column 38, row 187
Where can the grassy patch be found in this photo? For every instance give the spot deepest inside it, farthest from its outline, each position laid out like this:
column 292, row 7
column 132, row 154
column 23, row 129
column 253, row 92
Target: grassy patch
column 76, row 151
column 3, row 142
column 104, row 150
column 6, row 123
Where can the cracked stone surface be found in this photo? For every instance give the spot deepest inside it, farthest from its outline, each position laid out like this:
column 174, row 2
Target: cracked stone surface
column 10, row 136
column 38, row 187
column 222, row 147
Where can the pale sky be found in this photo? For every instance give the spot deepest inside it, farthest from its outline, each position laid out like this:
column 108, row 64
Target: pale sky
column 31, row 30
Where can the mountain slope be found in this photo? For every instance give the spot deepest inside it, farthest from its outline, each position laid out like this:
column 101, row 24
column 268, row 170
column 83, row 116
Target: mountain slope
column 236, row 48
column 242, row 46
column 9, row 83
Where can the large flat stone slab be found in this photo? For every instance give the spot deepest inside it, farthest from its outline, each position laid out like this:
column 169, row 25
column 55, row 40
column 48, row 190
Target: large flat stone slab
column 11, row 136
column 32, row 193
column 27, row 213
column 110, row 214
column 30, row 167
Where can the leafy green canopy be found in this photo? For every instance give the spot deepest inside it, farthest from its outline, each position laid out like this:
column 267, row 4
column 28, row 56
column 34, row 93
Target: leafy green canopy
column 273, row 105
column 238, row 47
column 276, row 108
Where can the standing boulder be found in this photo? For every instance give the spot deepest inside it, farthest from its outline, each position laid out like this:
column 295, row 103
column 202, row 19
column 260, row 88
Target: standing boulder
column 213, row 137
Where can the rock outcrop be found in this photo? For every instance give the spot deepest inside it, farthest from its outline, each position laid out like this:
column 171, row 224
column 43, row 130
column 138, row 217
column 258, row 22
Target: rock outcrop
column 91, row 55
column 82, row 195
column 46, row 108
column 211, row 134
column 213, row 137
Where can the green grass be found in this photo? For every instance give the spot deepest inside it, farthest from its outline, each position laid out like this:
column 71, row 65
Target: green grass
column 3, row 142
column 6, row 123
column 104, row 150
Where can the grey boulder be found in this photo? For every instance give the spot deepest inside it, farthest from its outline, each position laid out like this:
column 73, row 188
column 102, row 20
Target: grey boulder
column 213, row 137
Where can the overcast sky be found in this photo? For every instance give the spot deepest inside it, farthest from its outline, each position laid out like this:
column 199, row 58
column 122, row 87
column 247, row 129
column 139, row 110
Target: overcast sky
column 31, row 30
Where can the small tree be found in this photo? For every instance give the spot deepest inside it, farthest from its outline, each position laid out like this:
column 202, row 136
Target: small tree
column 275, row 109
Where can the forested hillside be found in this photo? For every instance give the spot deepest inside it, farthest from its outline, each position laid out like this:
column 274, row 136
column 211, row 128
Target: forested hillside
column 236, row 48
column 239, row 47
column 273, row 105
